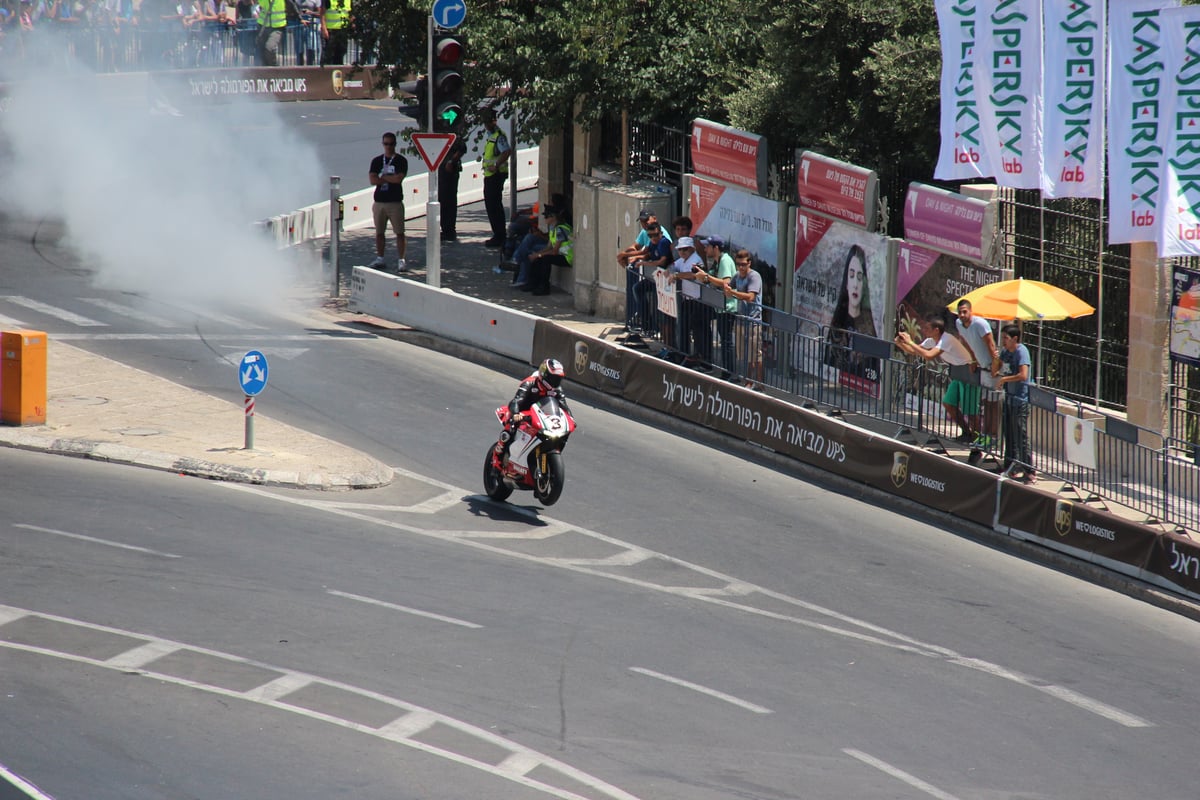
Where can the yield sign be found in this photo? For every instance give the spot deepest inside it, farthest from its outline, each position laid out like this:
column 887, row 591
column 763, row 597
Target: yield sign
column 433, row 147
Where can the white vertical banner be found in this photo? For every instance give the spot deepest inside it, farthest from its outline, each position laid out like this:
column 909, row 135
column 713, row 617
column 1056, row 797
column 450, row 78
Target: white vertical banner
column 1136, row 121
column 1073, row 85
column 961, row 155
column 1179, row 220
column 1008, row 70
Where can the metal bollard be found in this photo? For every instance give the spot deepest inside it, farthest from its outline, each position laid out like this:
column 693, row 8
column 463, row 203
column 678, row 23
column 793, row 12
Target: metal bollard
column 335, row 226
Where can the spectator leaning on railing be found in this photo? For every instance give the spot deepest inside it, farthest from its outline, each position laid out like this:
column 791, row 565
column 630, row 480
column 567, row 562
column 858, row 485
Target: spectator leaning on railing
column 960, row 400
column 746, row 288
column 1013, row 373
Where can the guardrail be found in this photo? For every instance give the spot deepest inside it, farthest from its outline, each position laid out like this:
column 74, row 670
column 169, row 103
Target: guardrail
column 861, row 378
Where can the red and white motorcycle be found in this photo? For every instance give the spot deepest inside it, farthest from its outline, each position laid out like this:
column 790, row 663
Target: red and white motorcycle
column 535, row 461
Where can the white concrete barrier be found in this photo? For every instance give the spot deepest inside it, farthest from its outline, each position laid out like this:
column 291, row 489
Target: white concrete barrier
column 444, row 313
column 312, row 222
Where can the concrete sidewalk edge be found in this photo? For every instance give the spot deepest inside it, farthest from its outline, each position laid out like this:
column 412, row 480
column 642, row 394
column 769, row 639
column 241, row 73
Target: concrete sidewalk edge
column 373, row 477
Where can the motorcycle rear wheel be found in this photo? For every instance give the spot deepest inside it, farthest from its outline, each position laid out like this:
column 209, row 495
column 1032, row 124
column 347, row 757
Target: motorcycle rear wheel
column 555, row 477
column 493, row 481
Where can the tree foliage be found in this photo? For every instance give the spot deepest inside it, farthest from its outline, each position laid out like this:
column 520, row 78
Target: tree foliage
column 856, row 79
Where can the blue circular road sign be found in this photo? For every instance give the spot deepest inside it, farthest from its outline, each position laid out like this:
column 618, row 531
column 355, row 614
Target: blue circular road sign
column 252, row 373
column 449, row 14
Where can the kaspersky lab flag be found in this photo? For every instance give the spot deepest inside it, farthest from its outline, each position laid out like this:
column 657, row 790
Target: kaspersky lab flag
column 1073, row 85
column 961, row 156
column 1179, row 225
column 1008, row 72
column 1136, row 119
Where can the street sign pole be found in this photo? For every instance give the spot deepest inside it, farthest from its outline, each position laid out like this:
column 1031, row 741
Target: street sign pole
column 433, row 209
column 252, row 377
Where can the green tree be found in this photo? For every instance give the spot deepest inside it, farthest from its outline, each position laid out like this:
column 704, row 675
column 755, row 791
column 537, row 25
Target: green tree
column 855, row 79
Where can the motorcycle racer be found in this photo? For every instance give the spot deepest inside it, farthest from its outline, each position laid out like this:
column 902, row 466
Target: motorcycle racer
column 545, row 382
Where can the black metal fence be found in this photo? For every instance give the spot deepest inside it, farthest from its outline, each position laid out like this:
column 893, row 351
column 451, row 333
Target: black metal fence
column 161, row 44
column 869, row 383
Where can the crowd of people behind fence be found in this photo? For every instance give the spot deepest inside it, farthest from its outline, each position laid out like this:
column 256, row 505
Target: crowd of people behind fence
column 132, row 35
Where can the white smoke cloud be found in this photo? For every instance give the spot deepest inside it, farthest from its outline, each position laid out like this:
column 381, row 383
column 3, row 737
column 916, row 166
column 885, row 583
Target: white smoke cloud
column 156, row 200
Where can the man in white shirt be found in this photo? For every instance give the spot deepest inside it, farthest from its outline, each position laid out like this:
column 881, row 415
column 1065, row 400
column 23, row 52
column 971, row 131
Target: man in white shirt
column 961, row 400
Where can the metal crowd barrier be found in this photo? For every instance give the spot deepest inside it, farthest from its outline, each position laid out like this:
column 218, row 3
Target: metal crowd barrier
column 867, row 382
column 172, row 45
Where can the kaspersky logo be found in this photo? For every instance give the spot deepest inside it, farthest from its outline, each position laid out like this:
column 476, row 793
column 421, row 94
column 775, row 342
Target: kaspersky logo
column 1186, row 158
column 1007, row 97
column 966, row 114
column 1078, row 31
column 1144, row 151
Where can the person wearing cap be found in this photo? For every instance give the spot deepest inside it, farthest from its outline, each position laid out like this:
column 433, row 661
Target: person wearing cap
column 688, row 261
column 558, row 253
column 720, row 271
column 638, row 250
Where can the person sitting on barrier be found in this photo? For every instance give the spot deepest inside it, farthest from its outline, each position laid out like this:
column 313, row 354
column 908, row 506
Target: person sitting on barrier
column 641, row 245
column 534, row 240
column 1013, row 373
column 559, row 252
column 960, row 400
column 545, row 382
column 746, row 288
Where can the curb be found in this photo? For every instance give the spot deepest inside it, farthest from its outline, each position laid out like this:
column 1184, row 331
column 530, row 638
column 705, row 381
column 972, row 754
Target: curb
column 375, row 476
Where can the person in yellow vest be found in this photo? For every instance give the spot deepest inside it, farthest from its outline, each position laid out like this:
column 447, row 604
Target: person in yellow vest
column 272, row 19
column 336, row 30
column 495, row 171
column 559, row 253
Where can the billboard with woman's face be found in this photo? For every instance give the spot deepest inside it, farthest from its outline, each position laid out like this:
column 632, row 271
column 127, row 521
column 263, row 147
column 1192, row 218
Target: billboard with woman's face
column 840, row 273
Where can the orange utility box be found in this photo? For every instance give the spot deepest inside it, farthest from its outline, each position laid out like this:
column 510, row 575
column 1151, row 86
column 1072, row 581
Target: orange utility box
column 23, row 377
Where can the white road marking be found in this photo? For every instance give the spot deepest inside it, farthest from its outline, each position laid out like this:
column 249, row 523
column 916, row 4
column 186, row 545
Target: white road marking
column 408, row 726
column 224, row 319
column 899, row 774
column 55, row 311
column 22, row 784
column 279, row 688
column 139, row 657
column 11, row 324
column 405, row 609
column 728, row 698
column 721, row 595
column 131, row 312
column 1060, row 692
column 83, row 538
column 411, row 721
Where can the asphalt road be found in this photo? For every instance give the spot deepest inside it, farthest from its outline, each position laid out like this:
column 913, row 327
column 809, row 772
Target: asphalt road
column 683, row 624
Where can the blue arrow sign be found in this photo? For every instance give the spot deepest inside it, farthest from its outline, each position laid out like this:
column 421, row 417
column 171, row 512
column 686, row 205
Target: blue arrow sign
column 449, row 14
column 252, row 373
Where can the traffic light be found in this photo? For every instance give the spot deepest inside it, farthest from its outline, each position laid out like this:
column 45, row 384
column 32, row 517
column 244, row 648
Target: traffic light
column 415, row 106
column 446, row 73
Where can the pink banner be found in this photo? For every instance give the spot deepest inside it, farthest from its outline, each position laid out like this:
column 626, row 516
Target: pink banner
column 948, row 222
column 837, row 189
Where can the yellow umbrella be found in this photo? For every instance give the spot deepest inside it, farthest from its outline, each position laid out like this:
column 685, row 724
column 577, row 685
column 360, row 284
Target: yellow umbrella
column 1022, row 299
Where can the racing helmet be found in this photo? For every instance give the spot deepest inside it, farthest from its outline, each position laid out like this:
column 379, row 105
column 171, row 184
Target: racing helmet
column 551, row 371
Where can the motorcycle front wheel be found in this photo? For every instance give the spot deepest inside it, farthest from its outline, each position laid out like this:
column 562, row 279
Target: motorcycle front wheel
column 493, row 481
column 549, row 485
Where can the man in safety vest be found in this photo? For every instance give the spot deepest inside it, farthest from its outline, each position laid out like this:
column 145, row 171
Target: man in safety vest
column 495, row 170
column 559, row 253
column 272, row 19
column 336, row 32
